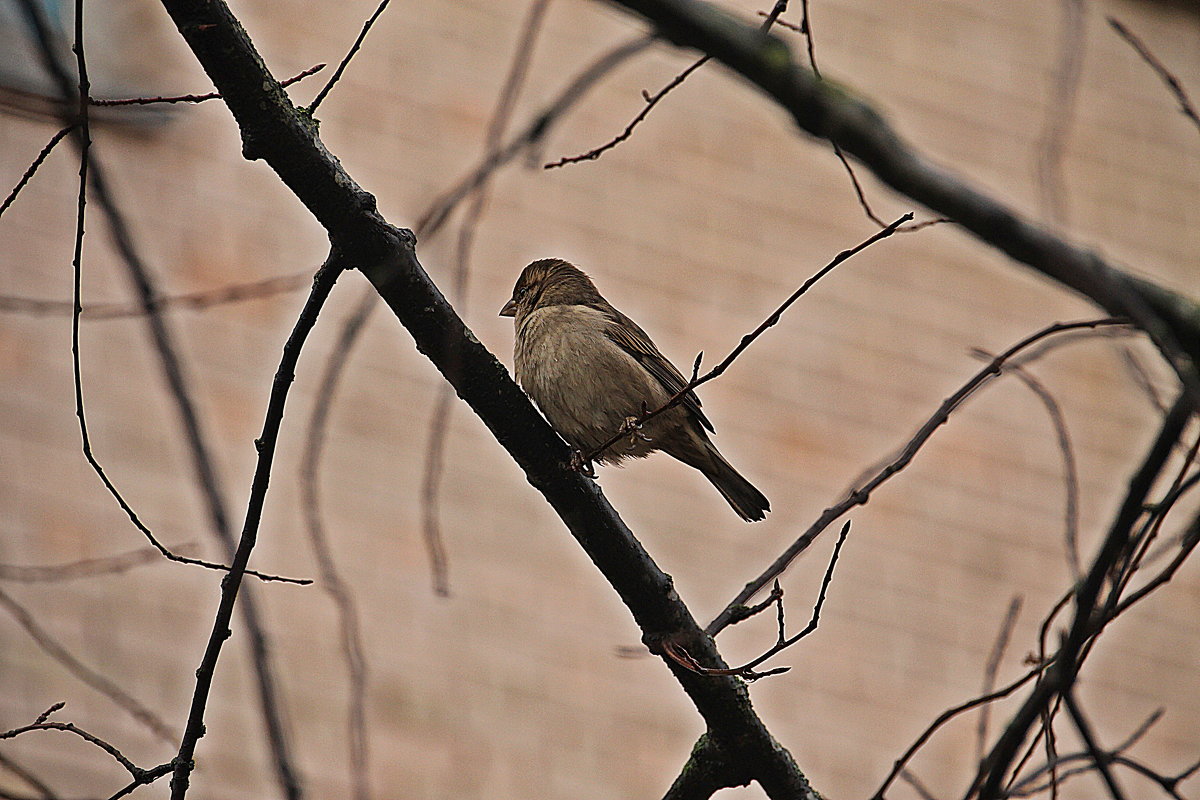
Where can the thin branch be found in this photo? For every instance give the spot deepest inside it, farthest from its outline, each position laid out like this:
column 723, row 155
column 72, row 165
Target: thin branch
column 1099, row 757
column 87, row 567
column 1112, row 606
column 33, row 167
column 651, row 102
column 1060, row 111
column 1156, row 517
column 782, row 642
column 791, row 26
column 322, row 285
column 1140, row 731
column 85, row 138
column 1051, row 744
column 433, row 219
column 1173, row 84
column 431, row 483
column 341, row 68
column 915, row 782
column 196, row 301
column 1141, row 378
column 655, row 99
column 992, row 667
column 1189, row 541
column 805, row 29
column 84, row 673
column 749, row 338
column 196, row 98
column 1070, row 467
column 861, row 492
column 140, row 776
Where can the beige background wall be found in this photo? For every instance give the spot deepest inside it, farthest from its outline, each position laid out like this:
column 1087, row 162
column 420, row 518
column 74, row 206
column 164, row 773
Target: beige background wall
column 697, row 227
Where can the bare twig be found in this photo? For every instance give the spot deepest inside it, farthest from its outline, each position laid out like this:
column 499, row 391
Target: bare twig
column 861, row 492
column 1188, row 543
column 782, row 641
column 33, row 167
column 1070, row 467
column 1060, row 111
column 1141, row 378
column 433, row 219
column 1156, row 517
column 85, row 138
column 84, row 673
column 1173, row 84
column 341, row 68
column 1111, row 608
column 805, row 29
column 783, row 23
column 749, row 338
column 993, row 665
column 655, row 99
column 322, row 286
column 196, row 301
column 651, row 101
column 431, row 483
column 87, row 567
column 196, row 98
column 140, row 776
column 1032, row 783
column 1051, row 742
column 921, row 789
column 1099, row 757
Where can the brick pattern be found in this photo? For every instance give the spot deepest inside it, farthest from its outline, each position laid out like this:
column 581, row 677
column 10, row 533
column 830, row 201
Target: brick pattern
column 697, row 227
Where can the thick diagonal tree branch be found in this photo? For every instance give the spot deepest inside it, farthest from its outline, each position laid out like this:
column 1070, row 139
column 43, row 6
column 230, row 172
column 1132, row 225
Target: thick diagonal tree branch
column 273, row 130
column 829, row 111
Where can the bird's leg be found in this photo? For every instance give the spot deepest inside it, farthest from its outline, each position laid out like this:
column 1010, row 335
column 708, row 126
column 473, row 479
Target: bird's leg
column 581, row 464
column 633, row 426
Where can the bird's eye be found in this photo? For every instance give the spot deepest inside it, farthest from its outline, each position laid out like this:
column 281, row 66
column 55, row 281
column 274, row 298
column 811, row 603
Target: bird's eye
column 524, row 290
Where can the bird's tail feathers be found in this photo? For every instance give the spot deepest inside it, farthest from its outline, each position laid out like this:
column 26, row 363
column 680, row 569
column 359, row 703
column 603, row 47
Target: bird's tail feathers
column 749, row 503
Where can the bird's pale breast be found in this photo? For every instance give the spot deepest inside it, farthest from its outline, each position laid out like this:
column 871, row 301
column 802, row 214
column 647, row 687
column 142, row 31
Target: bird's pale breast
column 583, row 382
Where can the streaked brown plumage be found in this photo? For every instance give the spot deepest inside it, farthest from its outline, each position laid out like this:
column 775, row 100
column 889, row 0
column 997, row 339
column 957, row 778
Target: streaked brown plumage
column 590, row 368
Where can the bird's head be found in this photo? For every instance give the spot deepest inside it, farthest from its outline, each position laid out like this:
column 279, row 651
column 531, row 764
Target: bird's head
column 550, row 282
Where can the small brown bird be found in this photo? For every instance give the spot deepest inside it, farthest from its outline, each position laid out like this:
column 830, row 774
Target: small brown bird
column 593, row 372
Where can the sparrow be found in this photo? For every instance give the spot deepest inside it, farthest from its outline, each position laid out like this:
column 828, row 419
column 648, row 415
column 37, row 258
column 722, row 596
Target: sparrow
column 593, row 372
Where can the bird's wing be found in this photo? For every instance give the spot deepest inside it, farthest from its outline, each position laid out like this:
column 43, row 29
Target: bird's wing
column 626, row 334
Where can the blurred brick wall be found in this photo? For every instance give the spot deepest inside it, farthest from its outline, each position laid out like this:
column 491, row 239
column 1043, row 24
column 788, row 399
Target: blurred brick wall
column 697, row 227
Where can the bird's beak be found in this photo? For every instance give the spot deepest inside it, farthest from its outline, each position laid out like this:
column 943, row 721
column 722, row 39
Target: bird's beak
column 510, row 309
